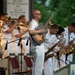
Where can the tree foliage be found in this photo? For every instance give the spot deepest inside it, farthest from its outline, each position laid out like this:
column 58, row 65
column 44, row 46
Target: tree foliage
column 64, row 11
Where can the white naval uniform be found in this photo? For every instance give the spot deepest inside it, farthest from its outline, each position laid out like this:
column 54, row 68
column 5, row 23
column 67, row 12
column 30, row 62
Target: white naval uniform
column 62, row 57
column 70, row 57
column 48, row 65
column 5, row 37
column 14, row 45
column 48, row 69
column 68, row 38
column 38, row 52
column 56, row 49
column 26, row 41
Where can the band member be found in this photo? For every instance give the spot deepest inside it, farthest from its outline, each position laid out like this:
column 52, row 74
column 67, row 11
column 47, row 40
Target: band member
column 73, row 35
column 52, row 40
column 25, row 42
column 37, row 49
column 67, row 35
column 5, row 34
column 15, row 39
column 60, row 35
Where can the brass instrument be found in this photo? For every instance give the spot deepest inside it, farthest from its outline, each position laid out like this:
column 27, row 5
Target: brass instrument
column 62, row 49
column 47, row 55
column 59, row 53
column 70, row 46
column 24, row 24
column 67, row 50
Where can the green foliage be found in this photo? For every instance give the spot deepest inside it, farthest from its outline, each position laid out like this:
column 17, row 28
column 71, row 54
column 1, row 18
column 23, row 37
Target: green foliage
column 64, row 11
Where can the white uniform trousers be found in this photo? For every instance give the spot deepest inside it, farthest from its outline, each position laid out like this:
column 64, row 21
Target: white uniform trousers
column 69, row 58
column 48, row 69
column 62, row 61
column 3, row 45
column 55, row 63
column 38, row 56
column 25, row 46
column 14, row 48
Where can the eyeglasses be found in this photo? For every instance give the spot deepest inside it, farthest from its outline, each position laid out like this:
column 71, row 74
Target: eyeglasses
column 37, row 13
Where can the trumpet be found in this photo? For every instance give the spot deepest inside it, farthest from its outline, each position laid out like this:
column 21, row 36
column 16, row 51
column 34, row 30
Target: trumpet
column 24, row 24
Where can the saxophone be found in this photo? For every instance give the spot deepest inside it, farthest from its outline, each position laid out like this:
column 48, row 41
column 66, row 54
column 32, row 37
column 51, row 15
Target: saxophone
column 70, row 46
column 59, row 53
column 47, row 55
column 62, row 49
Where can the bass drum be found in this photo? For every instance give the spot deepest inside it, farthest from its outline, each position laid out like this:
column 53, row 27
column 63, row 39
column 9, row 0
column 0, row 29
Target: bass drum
column 0, row 52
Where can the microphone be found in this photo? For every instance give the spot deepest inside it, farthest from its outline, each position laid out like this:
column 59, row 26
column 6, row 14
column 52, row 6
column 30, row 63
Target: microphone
column 58, row 55
column 66, row 56
column 19, row 42
column 6, row 45
column 27, row 42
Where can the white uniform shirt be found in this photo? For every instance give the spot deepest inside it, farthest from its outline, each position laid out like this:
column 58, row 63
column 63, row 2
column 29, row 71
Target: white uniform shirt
column 26, row 47
column 33, row 25
column 14, row 32
column 68, row 36
column 51, row 40
column 5, row 35
column 22, row 28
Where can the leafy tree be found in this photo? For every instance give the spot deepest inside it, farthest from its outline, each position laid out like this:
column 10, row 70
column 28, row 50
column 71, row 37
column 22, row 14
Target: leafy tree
column 64, row 11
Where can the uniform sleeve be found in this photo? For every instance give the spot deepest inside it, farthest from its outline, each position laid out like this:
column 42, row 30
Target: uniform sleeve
column 15, row 32
column 32, row 25
column 4, row 30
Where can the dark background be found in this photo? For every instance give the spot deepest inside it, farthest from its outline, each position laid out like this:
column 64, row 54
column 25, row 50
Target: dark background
column 1, row 6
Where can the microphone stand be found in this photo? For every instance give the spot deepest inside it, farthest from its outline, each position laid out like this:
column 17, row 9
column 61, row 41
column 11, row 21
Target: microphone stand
column 19, row 44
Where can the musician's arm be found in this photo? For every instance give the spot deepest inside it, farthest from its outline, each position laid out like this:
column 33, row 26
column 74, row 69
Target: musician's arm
column 20, row 34
column 36, row 31
column 11, row 28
